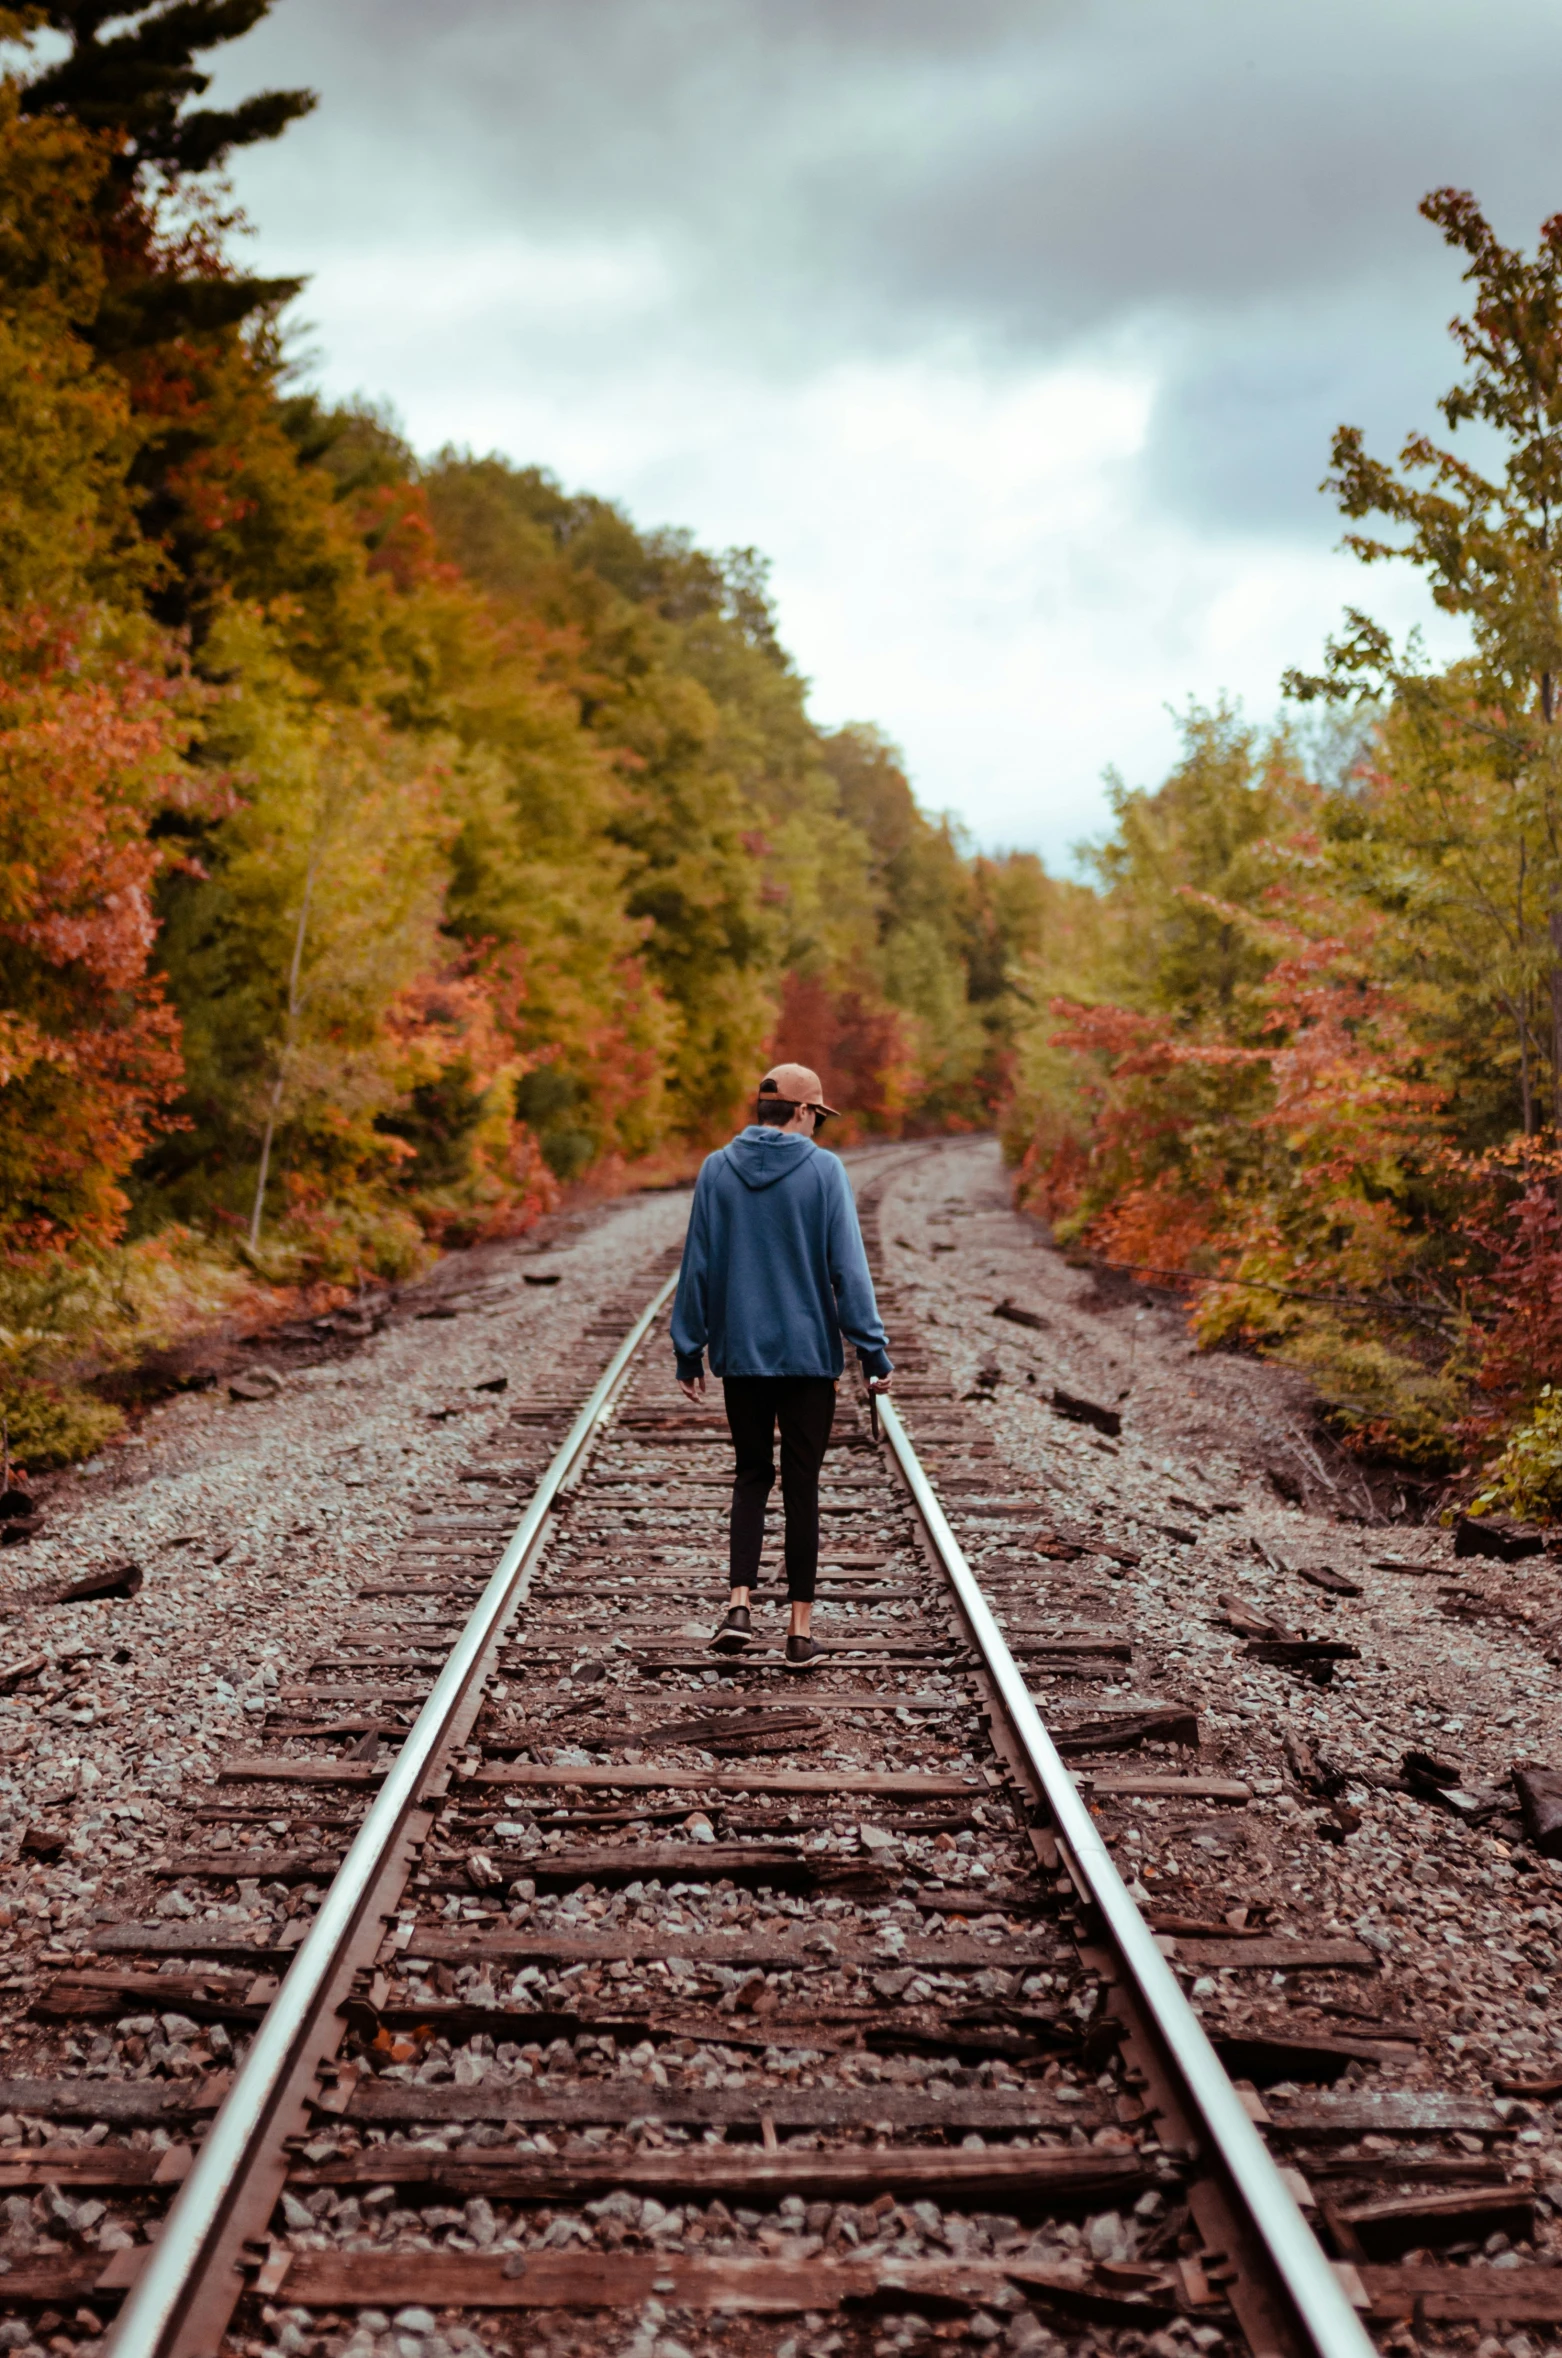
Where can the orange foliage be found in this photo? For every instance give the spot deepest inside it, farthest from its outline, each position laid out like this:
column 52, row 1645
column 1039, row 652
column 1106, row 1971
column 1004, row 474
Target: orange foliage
column 1346, row 1093
column 451, row 1043
column 398, row 532
column 1153, row 1227
column 89, row 1050
column 1513, row 1222
column 861, row 1052
column 1053, row 1172
column 1206, row 1152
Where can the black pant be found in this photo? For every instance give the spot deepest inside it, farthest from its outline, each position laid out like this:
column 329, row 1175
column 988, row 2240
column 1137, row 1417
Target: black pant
column 804, row 1407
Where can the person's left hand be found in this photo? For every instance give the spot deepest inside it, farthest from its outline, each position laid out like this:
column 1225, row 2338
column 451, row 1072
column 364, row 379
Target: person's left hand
column 692, row 1388
column 880, row 1383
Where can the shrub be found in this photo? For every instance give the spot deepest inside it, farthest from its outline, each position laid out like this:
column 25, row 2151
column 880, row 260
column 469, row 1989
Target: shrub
column 1382, row 1402
column 54, row 1424
column 1527, row 1478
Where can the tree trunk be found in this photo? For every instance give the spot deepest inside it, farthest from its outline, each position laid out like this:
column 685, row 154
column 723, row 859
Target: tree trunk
column 1526, row 1077
column 287, row 1044
column 265, row 1160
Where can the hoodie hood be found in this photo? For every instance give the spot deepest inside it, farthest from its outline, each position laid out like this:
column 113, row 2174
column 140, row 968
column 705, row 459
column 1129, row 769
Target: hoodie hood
column 761, row 1156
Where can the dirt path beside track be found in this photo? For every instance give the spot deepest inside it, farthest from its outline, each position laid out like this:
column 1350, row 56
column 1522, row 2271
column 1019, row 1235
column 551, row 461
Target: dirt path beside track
column 1457, row 1660
column 254, row 1522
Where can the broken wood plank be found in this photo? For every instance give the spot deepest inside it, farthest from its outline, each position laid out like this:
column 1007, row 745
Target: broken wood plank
column 214, row 1982
column 466, row 1590
column 1325, row 1577
column 887, row 1654
column 271, row 1769
column 1018, row 1316
column 763, row 1866
column 1496, row 1536
column 1301, row 1651
column 1312, row 1771
column 1002, row 1510
column 1079, row 1411
column 973, row 2034
column 85, row 1996
column 1093, row 1649
column 331, row 1692
column 271, row 1866
column 1064, row 1543
column 1548, row 2086
column 1175, row 1724
column 116, row 1580
column 63, row 2283
column 1406, row 2169
column 891, row 1586
column 635, row 1731
column 642, row 1638
column 611, row 1863
column 1403, row 2222
column 1540, row 1799
column 728, row 1729
column 1265, row 2058
column 1526, row 2295
column 1250, row 1621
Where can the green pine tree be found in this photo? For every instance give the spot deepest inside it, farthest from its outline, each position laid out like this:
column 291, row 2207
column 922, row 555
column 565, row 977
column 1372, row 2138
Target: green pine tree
column 134, row 87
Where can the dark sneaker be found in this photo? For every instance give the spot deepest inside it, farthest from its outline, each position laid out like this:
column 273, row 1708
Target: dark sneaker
column 802, row 1653
column 735, row 1634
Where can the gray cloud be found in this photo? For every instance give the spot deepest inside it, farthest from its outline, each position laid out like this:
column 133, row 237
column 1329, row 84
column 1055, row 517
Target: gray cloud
column 1233, row 186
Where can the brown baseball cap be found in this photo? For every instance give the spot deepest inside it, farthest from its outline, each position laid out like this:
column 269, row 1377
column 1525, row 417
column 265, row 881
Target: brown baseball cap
column 797, row 1084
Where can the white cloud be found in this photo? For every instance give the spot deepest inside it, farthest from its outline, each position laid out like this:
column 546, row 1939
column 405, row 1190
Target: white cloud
column 973, row 560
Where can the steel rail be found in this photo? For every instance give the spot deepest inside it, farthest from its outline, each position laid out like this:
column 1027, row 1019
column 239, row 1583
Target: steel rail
column 1302, row 2269
column 190, row 2241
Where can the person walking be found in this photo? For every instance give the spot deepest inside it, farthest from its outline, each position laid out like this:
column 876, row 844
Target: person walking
column 773, row 1276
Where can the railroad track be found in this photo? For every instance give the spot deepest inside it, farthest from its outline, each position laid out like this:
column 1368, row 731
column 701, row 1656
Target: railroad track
column 617, row 1988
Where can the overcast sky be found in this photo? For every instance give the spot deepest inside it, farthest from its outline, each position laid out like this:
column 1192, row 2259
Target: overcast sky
column 1013, row 331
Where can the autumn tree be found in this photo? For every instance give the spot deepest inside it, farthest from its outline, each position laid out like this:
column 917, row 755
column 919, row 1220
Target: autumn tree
column 91, row 729
column 1487, row 540
column 89, row 1053
column 132, row 90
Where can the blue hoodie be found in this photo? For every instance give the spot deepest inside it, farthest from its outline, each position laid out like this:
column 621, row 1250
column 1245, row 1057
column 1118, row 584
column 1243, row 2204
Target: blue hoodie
column 773, row 1267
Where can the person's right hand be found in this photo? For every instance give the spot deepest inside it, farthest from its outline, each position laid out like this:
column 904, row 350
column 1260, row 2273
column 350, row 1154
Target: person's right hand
column 880, row 1383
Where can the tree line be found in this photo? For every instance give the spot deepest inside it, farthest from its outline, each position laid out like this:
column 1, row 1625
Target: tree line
column 384, row 843
column 387, row 842
column 1303, row 1046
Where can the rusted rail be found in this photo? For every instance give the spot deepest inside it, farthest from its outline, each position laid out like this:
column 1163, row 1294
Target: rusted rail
column 202, row 2238
column 1301, row 2307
